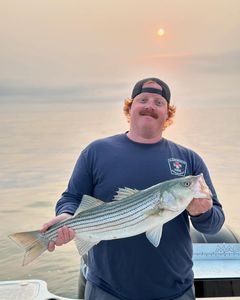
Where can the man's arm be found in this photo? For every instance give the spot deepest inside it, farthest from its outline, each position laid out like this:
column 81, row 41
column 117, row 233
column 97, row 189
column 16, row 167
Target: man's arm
column 206, row 215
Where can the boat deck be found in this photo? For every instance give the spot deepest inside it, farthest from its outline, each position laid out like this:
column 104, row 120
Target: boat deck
column 37, row 290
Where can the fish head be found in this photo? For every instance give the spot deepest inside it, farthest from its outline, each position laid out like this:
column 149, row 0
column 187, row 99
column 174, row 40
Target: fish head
column 187, row 188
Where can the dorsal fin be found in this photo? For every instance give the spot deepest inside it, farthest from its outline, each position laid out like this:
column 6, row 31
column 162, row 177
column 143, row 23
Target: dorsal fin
column 87, row 203
column 124, row 192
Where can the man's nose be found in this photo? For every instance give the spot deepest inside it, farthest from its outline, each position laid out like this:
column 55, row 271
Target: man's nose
column 150, row 105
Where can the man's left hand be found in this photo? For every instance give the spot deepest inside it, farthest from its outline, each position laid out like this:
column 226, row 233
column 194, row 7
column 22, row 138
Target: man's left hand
column 199, row 206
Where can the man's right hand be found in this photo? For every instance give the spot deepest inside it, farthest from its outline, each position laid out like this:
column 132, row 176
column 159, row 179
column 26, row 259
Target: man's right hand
column 65, row 234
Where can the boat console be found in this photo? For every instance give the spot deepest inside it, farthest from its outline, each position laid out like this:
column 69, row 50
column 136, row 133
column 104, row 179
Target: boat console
column 216, row 263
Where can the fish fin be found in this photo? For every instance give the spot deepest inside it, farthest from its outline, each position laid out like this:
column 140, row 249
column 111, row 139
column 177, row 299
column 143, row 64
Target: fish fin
column 124, row 193
column 168, row 201
column 87, row 203
column 84, row 246
column 33, row 242
column 154, row 235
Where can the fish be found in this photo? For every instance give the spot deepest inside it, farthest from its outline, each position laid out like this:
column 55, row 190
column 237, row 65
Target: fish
column 131, row 212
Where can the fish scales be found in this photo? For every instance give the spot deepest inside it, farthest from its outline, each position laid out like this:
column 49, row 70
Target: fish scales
column 106, row 213
column 104, row 228
column 109, row 217
column 108, row 208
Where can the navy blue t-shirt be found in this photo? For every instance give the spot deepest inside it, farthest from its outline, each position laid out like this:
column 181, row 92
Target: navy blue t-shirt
column 132, row 268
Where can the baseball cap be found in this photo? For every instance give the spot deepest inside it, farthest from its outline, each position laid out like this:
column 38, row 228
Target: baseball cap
column 138, row 88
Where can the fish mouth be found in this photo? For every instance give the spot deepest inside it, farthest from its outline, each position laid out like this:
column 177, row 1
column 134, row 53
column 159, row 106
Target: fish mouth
column 149, row 113
column 203, row 190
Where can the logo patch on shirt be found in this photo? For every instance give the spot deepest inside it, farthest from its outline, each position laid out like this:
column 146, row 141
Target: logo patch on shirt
column 177, row 166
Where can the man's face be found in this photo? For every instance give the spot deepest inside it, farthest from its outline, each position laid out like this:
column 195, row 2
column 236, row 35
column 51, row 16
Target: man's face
column 148, row 113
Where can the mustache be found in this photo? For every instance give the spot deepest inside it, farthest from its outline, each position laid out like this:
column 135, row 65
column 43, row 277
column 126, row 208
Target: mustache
column 148, row 112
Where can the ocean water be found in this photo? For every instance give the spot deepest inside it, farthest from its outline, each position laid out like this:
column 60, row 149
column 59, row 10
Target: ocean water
column 40, row 142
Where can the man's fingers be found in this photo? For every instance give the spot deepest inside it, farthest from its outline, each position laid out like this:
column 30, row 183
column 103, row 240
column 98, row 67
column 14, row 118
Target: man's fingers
column 51, row 246
column 60, row 237
column 46, row 226
column 65, row 231
column 198, row 206
column 65, row 235
column 55, row 220
column 71, row 234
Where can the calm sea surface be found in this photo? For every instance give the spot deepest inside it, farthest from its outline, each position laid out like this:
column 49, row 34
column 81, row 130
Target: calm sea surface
column 39, row 144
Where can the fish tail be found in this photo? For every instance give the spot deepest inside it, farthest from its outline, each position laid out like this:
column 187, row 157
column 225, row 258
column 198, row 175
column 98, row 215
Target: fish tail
column 33, row 242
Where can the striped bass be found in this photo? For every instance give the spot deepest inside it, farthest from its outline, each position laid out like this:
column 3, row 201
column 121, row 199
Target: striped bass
column 131, row 212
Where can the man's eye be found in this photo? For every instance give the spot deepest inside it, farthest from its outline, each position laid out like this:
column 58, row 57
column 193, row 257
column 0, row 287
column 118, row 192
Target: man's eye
column 159, row 103
column 142, row 100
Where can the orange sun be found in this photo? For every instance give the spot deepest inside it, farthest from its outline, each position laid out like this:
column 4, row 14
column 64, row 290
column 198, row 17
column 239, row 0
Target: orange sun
column 160, row 32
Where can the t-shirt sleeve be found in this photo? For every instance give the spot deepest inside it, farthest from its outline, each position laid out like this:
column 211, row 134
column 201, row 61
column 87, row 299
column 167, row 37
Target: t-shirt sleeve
column 80, row 183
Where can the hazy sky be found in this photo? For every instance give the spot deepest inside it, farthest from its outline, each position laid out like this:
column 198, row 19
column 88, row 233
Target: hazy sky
column 65, row 44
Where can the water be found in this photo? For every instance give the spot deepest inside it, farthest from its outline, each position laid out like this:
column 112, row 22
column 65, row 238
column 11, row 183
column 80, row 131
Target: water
column 40, row 143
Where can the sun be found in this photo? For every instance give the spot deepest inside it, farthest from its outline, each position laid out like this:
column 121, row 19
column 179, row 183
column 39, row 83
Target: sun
column 160, row 32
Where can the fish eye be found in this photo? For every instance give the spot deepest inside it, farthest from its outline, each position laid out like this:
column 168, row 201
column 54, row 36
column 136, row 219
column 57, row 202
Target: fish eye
column 186, row 183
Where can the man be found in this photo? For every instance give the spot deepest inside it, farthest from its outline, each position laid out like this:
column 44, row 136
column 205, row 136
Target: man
column 131, row 268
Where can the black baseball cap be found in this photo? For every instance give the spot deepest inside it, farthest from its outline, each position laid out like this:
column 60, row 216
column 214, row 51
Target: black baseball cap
column 138, row 88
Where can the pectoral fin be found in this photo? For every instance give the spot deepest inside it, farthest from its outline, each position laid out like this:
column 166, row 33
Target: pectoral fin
column 168, row 201
column 154, row 235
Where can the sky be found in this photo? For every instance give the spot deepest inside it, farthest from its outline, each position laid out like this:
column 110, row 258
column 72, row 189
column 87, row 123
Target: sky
column 62, row 48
